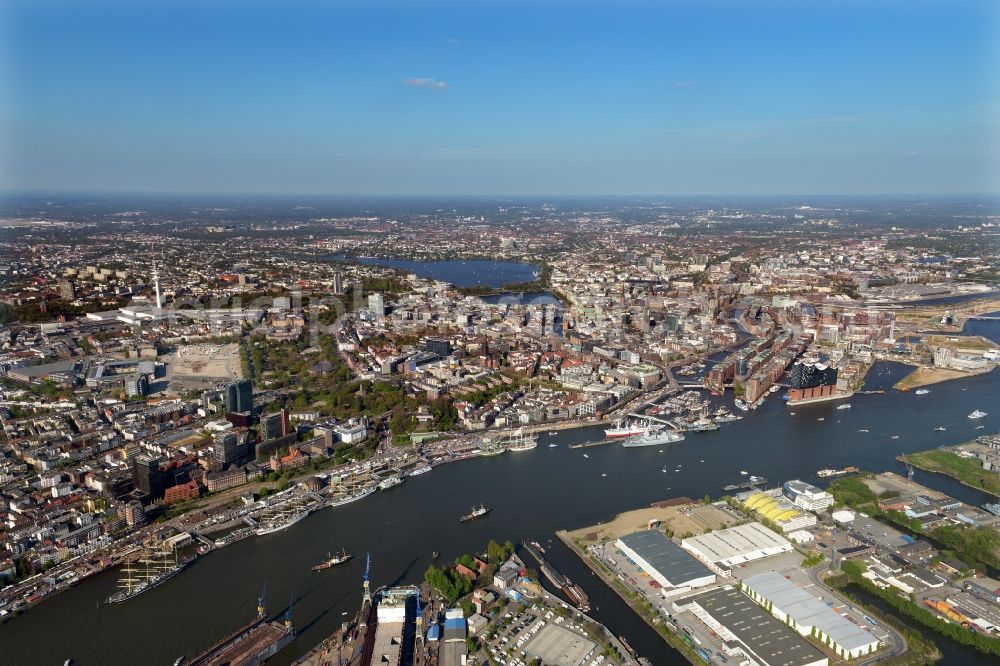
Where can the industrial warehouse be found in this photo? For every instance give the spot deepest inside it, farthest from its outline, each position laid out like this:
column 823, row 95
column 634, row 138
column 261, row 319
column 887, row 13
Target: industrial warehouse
column 747, row 629
column 736, row 545
column 808, row 615
column 664, row 561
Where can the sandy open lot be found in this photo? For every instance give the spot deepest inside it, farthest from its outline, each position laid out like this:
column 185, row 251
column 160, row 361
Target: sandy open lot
column 684, row 518
column 200, row 366
column 924, row 376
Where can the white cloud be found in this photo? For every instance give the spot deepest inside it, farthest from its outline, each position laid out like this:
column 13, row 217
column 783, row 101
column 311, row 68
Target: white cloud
column 454, row 41
column 683, row 84
column 425, row 82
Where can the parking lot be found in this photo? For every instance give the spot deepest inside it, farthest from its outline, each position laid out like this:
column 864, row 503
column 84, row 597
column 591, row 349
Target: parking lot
column 524, row 633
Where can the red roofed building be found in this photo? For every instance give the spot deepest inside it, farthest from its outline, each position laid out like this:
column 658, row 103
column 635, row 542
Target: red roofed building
column 182, row 492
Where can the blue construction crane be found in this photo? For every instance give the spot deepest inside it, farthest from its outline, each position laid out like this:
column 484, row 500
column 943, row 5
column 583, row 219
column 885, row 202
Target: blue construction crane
column 288, row 613
column 368, row 568
column 261, row 605
column 420, row 617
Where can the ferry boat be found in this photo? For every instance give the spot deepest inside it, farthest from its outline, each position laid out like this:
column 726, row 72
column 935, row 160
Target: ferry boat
column 921, row 391
column 977, row 414
column 625, row 428
column 391, row 482
column 333, row 560
column 846, row 405
column 280, row 522
column 152, row 571
column 474, row 513
column 826, row 473
column 652, row 438
column 423, row 469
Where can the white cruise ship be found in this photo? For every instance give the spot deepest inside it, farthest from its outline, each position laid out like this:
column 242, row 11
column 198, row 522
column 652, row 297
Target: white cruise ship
column 626, row 428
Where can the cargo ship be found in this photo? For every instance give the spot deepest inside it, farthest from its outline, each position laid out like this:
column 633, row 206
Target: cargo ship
column 333, row 560
column 252, row 644
column 474, row 514
column 152, row 571
column 626, row 428
column 653, row 438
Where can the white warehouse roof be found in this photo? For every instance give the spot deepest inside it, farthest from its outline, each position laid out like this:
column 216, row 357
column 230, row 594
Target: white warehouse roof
column 807, row 611
column 735, row 545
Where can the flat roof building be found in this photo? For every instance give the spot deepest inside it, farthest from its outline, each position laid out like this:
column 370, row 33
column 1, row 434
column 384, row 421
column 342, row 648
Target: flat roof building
column 807, row 496
column 736, row 545
column 559, row 646
column 664, row 561
column 748, row 631
column 808, row 615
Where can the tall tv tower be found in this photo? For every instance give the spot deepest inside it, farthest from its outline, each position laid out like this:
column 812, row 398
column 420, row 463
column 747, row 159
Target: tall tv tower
column 156, row 282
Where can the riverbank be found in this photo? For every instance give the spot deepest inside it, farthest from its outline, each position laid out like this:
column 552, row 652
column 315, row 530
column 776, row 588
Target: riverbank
column 647, row 613
column 966, row 470
column 421, row 515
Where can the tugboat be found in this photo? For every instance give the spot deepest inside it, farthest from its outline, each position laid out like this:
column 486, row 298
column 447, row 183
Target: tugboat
column 474, row 513
column 333, row 560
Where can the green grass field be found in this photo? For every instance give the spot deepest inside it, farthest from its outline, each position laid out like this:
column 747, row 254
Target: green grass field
column 967, row 470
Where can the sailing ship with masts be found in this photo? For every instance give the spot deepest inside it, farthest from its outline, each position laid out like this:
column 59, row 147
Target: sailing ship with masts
column 145, row 573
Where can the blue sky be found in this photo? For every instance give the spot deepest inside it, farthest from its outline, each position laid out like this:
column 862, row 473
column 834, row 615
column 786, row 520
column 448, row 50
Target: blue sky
column 501, row 98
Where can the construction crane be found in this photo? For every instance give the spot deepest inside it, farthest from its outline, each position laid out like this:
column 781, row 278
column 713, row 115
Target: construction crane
column 261, row 604
column 368, row 568
column 288, row 613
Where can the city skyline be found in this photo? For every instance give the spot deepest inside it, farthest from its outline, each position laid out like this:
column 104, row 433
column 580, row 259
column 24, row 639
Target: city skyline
column 775, row 99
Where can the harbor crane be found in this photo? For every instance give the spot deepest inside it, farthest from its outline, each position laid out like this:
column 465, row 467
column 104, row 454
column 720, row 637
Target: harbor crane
column 368, row 568
column 261, row 604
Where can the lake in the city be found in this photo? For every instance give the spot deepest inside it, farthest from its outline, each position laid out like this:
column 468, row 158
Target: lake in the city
column 459, row 272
